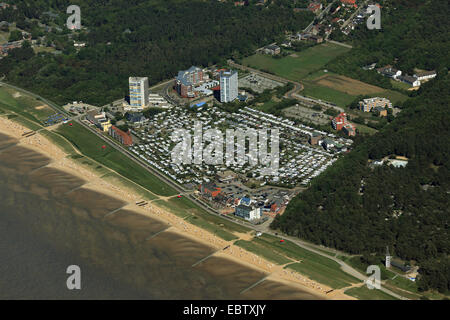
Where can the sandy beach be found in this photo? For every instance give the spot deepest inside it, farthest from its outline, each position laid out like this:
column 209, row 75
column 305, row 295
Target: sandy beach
column 60, row 161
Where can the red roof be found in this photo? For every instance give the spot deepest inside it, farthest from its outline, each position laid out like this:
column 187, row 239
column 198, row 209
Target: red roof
column 126, row 137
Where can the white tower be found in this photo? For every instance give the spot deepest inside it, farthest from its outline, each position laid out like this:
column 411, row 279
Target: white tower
column 228, row 86
column 388, row 258
column 138, row 92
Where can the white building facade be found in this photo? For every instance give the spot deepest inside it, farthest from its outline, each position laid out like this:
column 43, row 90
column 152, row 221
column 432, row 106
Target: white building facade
column 138, row 92
column 228, row 86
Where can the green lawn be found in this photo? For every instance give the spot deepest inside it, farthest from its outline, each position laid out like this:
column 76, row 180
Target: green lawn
column 181, row 207
column 329, row 274
column 91, row 146
column 314, row 90
column 364, row 293
column 340, row 97
column 262, row 251
column 114, row 178
column 24, row 105
column 400, row 85
column 65, row 145
column 312, row 265
column 297, row 68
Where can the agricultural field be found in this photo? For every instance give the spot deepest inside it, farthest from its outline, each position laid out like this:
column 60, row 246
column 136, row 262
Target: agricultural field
column 297, row 67
column 343, row 90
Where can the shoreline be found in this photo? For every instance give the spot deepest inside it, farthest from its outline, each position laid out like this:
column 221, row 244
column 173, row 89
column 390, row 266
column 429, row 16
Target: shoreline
column 93, row 181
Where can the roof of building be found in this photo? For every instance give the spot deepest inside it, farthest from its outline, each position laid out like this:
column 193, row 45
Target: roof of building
column 126, row 137
column 182, row 75
column 135, row 117
column 408, row 78
column 246, row 200
column 425, row 73
column 272, row 47
column 227, row 73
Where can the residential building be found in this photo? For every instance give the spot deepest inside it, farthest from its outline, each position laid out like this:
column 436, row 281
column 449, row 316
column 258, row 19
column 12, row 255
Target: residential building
column 209, row 190
column 226, row 176
column 248, row 212
column 425, row 75
column 316, row 38
column 272, row 49
column 412, row 81
column 136, row 118
column 315, row 7
column 339, row 121
column 389, row 71
column 314, row 138
column 99, row 119
column 328, row 143
column 367, row 105
column 382, row 112
column 228, row 86
column 349, row 130
column 186, row 80
column 138, row 92
column 123, row 137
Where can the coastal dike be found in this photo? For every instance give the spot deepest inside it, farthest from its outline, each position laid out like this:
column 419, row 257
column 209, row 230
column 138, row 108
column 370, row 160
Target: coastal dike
column 146, row 247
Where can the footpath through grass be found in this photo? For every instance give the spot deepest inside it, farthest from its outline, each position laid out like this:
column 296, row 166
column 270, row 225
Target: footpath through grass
column 364, row 293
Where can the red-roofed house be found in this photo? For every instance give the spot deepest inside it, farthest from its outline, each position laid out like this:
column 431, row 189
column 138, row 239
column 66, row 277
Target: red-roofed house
column 339, row 121
column 123, row 137
column 314, row 7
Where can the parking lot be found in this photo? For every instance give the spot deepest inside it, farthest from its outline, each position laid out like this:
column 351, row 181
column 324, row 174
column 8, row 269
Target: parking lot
column 300, row 112
column 258, row 83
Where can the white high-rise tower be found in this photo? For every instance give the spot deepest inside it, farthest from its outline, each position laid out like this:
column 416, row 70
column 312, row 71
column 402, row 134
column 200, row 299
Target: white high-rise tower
column 138, row 92
column 228, row 86
column 388, row 258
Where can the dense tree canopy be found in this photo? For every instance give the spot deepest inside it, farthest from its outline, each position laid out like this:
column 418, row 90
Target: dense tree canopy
column 360, row 208
column 143, row 38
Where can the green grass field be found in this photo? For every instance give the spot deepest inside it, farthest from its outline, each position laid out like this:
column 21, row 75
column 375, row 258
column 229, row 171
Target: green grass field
column 116, row 179
column 312, row 265
column 364, row 293
column 23, row 105
column 329, row 273
column 327, row 94
column 262, row 251
column 65, row 145
column 297, row 68
column 91, row 146
column 342, row 90
column 308, row 66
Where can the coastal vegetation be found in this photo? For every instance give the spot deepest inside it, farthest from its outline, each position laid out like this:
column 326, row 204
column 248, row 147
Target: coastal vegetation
column 361, row 209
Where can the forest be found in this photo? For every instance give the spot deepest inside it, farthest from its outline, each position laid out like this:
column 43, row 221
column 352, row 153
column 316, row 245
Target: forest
column 138, row 37
column 413, row 35
column 360, row 208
